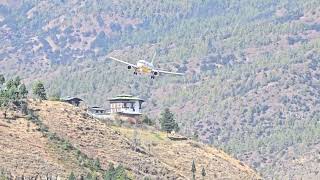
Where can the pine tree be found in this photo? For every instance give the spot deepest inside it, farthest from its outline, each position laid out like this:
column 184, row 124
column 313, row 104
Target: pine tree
column 203, row 173
column 89, row 176
column 115, row 173
column 12, row 94
column 39, row 91
column 147, row 120
column 110, row 173
column 167, row 121
column 10, row 84
column 97, row 164
column 17, row 81
column 72, row 176
column 111, row 167
column 2, row 79
column 23, row 91
column 193, row 170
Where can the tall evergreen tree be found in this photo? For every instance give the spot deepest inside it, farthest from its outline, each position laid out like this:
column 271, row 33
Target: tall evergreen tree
column 39, row 91
column 97, row 165
column 115, row 173
column 203, row 173
column 17, row 81
column 147, row 120
column 72, row 176
column 10, row 84
column 167, row 121
column 23, row 91
column 12, row 94
column 2, row 79
column 193, row 170
column 89, row 176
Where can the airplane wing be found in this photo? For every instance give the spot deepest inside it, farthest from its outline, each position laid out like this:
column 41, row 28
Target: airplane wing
column 167, row 72
column 124, row 62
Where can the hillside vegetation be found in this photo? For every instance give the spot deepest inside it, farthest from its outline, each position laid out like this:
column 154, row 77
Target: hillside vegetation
column 252, row 83
column 58, row 139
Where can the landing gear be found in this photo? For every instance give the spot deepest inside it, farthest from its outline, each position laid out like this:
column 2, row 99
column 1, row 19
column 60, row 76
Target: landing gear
column 154, row 74
column 135, row 73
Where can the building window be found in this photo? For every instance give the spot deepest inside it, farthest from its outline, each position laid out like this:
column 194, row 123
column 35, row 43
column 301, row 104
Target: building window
column 126, row 105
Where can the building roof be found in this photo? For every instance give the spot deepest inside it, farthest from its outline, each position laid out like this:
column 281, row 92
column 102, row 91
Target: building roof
column 68, row 98
column 125, row 97
column 97, row 108
column 130, row 113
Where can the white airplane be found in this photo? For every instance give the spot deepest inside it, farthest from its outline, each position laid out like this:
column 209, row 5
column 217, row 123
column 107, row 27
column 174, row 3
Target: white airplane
column 145, row 67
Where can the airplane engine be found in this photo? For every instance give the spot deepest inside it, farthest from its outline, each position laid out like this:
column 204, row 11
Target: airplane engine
column 129, row 67
column 155, row 73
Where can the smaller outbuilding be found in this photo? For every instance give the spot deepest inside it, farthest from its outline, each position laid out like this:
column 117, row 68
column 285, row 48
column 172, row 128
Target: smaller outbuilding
column 97, row 110
column 72, row 100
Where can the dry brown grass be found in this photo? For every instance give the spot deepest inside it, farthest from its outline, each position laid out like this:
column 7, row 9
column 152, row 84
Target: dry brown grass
column 179, row 155
column 25, row 151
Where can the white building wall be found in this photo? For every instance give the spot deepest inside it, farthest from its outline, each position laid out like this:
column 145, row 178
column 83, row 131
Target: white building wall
column 119, row 107
column 136, row 107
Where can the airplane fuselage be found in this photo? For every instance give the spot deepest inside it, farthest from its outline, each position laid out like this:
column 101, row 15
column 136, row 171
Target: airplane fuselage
column 144, row 67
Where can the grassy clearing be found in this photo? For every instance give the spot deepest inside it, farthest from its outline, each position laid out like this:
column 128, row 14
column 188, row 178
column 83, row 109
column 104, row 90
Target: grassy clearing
column 143, row 135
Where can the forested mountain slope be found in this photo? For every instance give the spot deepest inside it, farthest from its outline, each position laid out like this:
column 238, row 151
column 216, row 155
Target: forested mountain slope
column 252, row 83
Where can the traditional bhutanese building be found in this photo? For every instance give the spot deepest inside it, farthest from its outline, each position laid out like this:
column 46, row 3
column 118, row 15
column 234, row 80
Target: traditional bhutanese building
column 72, row 100
column 126, row 105
column 97, row 110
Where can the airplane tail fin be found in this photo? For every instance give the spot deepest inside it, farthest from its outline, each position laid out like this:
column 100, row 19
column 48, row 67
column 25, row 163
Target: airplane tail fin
column 154, row 56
